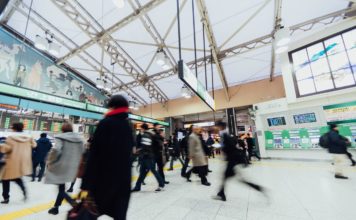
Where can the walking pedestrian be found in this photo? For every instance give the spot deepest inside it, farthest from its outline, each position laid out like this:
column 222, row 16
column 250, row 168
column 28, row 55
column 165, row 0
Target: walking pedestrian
column 107, row 177
column 17, row 151
column 63, row 163
column 234, row 156
column 39, row 156
column 147, row 159
column 198, row 157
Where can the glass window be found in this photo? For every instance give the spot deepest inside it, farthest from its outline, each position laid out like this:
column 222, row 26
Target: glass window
column 350, row 39
column 326, row 65
column 316, row 52
column 320, row 66
column 343, row 77
column 306, row 87
column 303, row 73
column 339, row 61
column 334, row 45
column 323, row 82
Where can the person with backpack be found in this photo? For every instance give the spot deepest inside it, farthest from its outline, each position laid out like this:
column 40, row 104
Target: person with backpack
column 337, row 147
column 147, row 158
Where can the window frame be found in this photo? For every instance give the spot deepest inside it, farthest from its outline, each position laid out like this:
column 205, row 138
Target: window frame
column 304, row 47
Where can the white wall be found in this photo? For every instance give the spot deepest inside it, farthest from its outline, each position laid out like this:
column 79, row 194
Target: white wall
column 294, row 105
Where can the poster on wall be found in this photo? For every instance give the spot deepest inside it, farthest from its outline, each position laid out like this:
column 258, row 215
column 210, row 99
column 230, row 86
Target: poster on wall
column 23, row 66
column 340, row 113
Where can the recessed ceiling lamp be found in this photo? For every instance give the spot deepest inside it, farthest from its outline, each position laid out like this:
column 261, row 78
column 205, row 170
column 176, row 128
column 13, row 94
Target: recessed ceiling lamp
column 119, row 3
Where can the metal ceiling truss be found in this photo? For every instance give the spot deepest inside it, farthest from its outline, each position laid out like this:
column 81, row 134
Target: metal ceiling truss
column 9, row 10
column 254, row 44
column 276, row 27
column 213, row 46
column 96, row 32
column 48, row 25
column 152, row 30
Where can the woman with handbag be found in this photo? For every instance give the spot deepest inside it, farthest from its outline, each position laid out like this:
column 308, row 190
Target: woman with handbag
column 63, row 163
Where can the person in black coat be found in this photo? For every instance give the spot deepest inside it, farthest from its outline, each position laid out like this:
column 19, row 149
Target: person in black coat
column 338, row 148
column 108, row 171
column 234, row 156
column 250, row 147
column 39, row 156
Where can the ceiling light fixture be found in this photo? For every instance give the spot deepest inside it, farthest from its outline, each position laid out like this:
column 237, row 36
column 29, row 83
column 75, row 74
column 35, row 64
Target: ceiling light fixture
column 281, row 40
column 41, row 43
column 119, row 3
column 54, row 49
column 282, row 37
column 186, row 92
column 99, row 83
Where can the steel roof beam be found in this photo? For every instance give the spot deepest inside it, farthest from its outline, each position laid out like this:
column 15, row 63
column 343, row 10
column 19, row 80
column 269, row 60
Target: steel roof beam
column 9, row 10
column 102, row 34
column 77, row 14
column 213, row 46
column 276, row 27
column 89, row 62
column 253, row 44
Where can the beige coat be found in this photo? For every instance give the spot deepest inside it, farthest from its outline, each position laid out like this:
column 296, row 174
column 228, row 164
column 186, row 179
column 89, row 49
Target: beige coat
column 196, row 152
column 18, row 156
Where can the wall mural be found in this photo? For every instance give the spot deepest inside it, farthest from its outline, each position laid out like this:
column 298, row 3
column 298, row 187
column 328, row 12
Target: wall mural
column 25, row 67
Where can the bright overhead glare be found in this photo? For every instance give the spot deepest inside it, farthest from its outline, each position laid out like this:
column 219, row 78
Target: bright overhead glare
column 282, row 37
column 160, row 58
column 119, row 3
column 280, row 50
column 99, row 83
column 54, row 49
column 41, row 43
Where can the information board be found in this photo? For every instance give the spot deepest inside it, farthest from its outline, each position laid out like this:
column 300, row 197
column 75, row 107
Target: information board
column 304, row 118
column 277, row 121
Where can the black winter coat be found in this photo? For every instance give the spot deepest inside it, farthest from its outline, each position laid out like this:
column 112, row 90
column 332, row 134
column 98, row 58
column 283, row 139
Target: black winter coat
column 108, row 171
column 337, row 144
column 39, row 154
column 232, row 153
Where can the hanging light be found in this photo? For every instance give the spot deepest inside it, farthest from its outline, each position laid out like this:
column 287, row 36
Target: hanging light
column 186, row 92
column 119, row 3
column 282, row 37
column 41, row 43
column 160, row 57
column 131, row 105
column 54, row 49
column 135, row 106
column 99, row 83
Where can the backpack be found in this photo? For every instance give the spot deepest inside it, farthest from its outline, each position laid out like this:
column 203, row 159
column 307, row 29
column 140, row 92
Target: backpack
column 324, row 140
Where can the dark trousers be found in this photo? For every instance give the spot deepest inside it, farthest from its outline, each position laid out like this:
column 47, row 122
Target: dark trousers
column 252, row 153
column 230, row 172
column 6, row 187
column 349, row 155
column 42, row 165
column 202, row 173
column 62, row 195
column 121, row 205
column 185, row 166
column 148, row 164
column 173, row 158
column 160, row 168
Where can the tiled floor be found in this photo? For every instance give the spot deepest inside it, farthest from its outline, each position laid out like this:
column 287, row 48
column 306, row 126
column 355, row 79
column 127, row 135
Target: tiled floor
column 297, row 190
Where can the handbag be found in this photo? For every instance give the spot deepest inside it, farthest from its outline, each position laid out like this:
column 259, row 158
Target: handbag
column 85, row 210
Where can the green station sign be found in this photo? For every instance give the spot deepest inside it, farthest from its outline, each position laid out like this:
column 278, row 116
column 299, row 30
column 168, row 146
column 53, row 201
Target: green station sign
column 26, row 93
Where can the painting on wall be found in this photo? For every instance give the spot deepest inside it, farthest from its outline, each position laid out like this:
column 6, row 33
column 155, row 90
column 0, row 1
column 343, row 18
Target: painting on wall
column 23, row 66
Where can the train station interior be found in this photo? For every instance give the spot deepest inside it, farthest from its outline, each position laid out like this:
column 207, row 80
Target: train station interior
column 177, row 109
